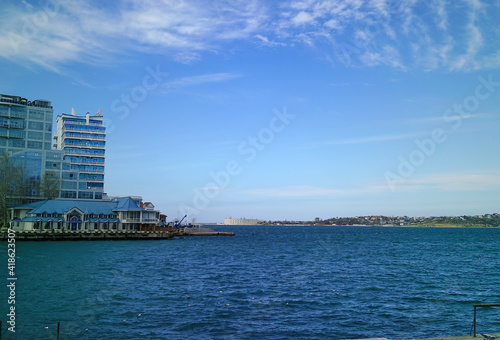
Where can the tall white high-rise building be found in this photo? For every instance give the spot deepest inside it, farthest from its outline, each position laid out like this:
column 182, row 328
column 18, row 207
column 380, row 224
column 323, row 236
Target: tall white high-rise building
column 83, row 142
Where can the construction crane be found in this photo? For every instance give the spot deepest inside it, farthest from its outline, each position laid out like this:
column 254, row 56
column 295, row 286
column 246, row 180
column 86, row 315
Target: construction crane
column 178, row 224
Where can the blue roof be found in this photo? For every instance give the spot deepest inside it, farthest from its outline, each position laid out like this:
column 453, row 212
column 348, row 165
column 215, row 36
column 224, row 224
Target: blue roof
column 31, row 205
column 126, row 204
column 87, row 207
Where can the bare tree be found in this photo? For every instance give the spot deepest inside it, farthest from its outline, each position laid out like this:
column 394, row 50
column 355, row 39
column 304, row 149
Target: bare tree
column 13, row 185
column 4, row 186
column 50, row 186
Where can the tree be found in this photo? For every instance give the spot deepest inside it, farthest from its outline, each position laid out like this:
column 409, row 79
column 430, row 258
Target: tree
column 13, row 185
column 50, row 186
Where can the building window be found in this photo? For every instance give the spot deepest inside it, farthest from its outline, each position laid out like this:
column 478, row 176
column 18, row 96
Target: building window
column 35, row 135
column 68, row 194
column 34, row 145
column 68, row 185
column 35, row 126
column 85, row 195
column 15, row 143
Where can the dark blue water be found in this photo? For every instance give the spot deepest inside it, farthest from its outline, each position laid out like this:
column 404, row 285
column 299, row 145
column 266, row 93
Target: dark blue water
column 264, row 283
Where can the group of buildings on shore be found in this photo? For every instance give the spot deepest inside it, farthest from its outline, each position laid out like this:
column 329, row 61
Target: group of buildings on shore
column 74, row 156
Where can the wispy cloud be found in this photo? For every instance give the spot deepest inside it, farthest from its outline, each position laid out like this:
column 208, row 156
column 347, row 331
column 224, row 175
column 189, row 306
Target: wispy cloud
column 293, row 191
column 398, row 34
column 265, row 41
column 85, row 32
column 369, row 139
column 453, row 182
column 444, row 182
column 200, row 79
column 441, row 119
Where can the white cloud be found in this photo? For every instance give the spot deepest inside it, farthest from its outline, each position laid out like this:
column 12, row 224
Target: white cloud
column 402, row 35
column 265, row 41
column 82, row 32
column 302, row 18
column 453, row 35
column 187, row 57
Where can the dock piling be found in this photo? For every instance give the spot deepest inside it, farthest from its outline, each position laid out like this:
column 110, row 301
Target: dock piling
column 482, row 305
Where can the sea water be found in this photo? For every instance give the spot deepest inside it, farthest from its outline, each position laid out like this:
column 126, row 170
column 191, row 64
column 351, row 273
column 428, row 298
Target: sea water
column 267, row 282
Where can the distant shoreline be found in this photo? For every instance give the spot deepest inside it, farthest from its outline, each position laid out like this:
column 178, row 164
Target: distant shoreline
column 463, row 221
column 437, row 225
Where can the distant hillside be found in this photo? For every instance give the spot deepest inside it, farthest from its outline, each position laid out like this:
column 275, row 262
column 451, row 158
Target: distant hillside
column 488, row 220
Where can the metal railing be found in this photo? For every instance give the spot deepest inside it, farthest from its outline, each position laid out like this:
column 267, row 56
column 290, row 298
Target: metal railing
column 139, row 220
column 482, row 305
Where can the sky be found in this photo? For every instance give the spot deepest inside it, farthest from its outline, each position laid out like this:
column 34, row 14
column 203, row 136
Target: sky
column 275, row 110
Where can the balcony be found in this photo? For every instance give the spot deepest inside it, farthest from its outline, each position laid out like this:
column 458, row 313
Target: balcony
column 85, row 146
column 82, row 136
column 66, row 122
column 89, row 171
column 82, row 152
column 82, row 161
column 69, row 129
column 93, row 180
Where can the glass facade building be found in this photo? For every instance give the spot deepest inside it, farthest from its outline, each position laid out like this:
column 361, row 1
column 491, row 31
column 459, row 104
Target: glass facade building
column 26, row 137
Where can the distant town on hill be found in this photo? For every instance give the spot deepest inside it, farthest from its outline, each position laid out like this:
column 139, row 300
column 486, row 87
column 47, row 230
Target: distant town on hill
column 487, row 220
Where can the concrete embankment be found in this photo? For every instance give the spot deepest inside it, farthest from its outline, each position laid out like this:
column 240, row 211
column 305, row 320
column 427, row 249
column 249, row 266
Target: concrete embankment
column 197, row 231
column 479, row 336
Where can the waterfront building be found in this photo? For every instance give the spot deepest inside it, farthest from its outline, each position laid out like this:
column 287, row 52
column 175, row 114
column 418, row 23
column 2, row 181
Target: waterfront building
column 82, row 140
column 77, row 163
column 117, row 214
column 26, row 137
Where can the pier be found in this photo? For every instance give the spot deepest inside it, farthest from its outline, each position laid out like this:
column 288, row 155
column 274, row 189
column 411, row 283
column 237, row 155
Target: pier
column 483, row 336
column 95, row 235
column 86, row 235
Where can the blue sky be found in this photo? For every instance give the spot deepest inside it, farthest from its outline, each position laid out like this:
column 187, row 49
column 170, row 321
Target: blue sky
column 290, row 110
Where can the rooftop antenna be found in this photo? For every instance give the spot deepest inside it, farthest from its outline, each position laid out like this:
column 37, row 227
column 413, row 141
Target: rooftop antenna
column 98, row 113
column 73, row 113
